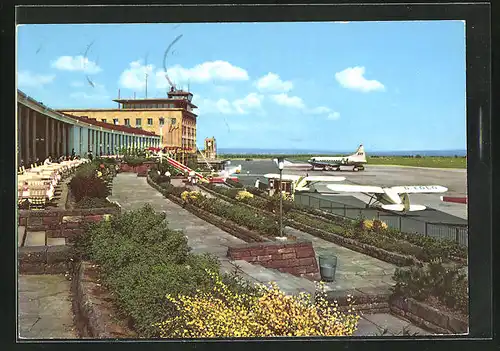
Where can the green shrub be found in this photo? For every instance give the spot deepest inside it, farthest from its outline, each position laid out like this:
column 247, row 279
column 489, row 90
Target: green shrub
column 141, row 260
column 448, row 284
column 234, row 183
column 86, row 183
column 257, row 192
column 134, row 161
column 106, row 161
column 94, row 202
column 240, row 215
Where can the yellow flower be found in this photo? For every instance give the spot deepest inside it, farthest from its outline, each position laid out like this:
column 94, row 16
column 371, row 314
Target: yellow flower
column 243, row 195
column 224, row 313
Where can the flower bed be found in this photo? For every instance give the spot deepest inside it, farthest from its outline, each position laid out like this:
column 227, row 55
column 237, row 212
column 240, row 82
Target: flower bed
column 267, row 313
column 91, row 185
column 370, row 237
column 222, row 223
column 153, row 279
column 445, row 286
column 239, row 215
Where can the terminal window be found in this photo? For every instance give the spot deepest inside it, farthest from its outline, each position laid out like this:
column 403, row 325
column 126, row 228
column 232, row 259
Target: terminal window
column 138, row 122
column 150, row 121
column 115, row 121
column 127, row 122
column 162, row 121
column 104, row 120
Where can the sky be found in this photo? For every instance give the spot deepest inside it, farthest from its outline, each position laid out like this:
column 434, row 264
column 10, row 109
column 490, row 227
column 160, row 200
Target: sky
column 391, row 86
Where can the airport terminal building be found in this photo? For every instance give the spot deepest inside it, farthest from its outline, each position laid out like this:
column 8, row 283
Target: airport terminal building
column 42, row 131
column 171, row 118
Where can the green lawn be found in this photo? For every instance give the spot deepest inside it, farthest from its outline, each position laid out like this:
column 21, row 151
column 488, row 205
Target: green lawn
column 431, row 162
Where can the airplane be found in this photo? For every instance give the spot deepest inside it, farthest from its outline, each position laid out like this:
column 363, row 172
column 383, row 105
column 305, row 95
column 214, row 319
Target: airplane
column 229, row 171
column 329, row 163
column 295, row 165
column 391, row 199
column 294, row 183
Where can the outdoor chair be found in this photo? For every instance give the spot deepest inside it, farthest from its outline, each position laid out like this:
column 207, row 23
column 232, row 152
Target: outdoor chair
column 37, row 198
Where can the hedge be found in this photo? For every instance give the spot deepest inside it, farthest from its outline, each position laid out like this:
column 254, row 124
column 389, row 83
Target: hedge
column 142, row 260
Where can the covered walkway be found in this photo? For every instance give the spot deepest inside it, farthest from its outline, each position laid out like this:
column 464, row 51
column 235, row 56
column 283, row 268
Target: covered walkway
column 41, row 132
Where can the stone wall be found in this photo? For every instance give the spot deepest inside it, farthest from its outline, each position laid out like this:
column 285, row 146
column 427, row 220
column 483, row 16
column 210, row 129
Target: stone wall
column 427, row 317
column 294, row 257
column 93, row 306
column 59, row 223
column 45, row 259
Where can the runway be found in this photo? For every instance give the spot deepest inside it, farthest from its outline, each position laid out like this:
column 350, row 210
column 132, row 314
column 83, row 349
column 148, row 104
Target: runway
column 437, row 211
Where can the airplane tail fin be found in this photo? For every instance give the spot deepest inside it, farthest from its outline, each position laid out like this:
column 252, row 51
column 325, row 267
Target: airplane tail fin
column 285, row 162
column 360, row 153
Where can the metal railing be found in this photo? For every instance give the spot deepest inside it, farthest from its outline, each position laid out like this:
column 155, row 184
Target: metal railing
column 445, row 231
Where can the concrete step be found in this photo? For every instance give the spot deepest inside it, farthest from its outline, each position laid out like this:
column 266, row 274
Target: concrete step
column 35, row 239
column 56, row 241
column 21, row 232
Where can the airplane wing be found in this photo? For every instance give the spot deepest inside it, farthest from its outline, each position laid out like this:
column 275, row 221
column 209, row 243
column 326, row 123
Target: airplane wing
column 284, row 176
column 348, row 188
column 324, row 179
column 419, row 189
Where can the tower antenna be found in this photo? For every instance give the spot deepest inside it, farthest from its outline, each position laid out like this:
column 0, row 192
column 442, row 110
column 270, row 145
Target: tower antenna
column 146, row 66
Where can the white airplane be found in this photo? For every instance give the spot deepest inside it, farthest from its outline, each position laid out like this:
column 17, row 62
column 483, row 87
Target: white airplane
column 226, row 173
column 299, row 183
column 327, row 163
column 391, row 199
column 295, row 165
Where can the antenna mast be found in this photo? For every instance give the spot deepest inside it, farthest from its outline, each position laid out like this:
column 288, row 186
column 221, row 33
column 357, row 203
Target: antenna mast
column 146, row 68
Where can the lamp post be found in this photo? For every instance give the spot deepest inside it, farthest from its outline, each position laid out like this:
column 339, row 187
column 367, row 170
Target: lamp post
column 281, row 165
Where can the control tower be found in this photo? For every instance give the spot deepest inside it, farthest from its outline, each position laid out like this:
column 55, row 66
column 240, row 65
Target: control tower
column 210, row 148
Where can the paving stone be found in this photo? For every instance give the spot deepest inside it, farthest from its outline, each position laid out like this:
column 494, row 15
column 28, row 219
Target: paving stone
column 45, row 307
column 35, row 239
column 393, row 325
column 21, row 231
column 56, row 241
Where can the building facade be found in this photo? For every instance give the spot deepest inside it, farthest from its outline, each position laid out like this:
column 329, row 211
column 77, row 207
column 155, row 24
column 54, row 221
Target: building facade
column 171, row 118
column 43, row 132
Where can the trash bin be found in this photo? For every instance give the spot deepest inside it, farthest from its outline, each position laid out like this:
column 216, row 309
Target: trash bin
column 327, row 267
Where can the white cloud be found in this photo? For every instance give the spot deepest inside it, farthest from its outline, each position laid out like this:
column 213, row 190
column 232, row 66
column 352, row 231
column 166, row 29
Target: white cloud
column 333, row 116
column 289, row 101
column 28, row 79
column 352, row 78
column 76, row 63
column 135, row 76
column 251, row 102
column 319, row 110
column 205, row 72
column 271, row 83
